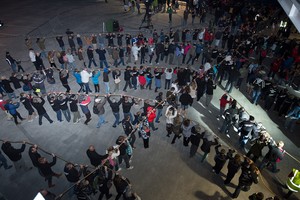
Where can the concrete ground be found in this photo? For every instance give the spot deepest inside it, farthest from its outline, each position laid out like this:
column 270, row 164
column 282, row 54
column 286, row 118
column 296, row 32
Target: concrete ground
column 163, row 171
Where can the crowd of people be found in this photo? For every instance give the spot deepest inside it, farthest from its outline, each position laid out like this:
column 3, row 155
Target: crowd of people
column 230, row 50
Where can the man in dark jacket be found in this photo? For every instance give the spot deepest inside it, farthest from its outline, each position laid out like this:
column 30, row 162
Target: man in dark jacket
column 246, row 128
column 128, row 129
column 195, row 140
column 115, row 107
column 72, row 174
column 248, row 176
column 208, row 140
column 34, row 155
column 101, row 52
column 274, row 155
column 126, row 105
column 127, row 77
column 95, row 158
column 38, row 104
column 90, row 54
column 15, row 155
column 46, row 171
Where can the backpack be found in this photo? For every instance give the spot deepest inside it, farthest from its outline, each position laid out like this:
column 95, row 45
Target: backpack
column 95, row 110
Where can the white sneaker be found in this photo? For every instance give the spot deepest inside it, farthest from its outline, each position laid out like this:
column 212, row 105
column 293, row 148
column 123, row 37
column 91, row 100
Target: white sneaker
column 131, row 167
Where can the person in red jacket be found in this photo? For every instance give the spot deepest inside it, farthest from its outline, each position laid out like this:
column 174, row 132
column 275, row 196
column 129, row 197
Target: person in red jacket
column 2, row 103
column 142, row 80
column 223, row 102
column 151, row 115
column 274, row 68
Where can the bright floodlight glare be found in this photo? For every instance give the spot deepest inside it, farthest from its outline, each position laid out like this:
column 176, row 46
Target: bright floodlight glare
column 39, row 196
column 1, row 23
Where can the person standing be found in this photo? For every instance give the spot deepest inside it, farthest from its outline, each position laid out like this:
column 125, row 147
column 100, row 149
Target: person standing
column 90, row 54
column 210, row 86
column 63, row 105
column 293, row 183
column 121, row 141
column 159, row 105
column 54, row 103
column 121, row 184
column 101, row 52
column 95, row 158
column 248, row 176
column 46, row 169
column 72, row 174
column 25, row 99
column 73, row 102
column 126, row 105
column 233, row 167
column 15, row 155
column 195, row 139
column 144, row 132
column 106, row 72
column 170, row 12
column 127, row 76
column 3, row 162
column 169, row 76
column 245, row 130
column 11, row 107
column 99, row 105
column 77, row 76
column 12, row 62
column 186, row 127
column 185, row 17
column 85, row 78
column 170, row 114
column 116, row 77
column 103, row 181
column 274, row 156
column 63, row 76
column 5, row 83
column 84, row 101
column 115, row 107
column 38, row 104
column 208, row 140
column 34, row 155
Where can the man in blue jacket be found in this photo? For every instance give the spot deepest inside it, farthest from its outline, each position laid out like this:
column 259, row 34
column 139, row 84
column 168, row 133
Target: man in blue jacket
column 12, row 109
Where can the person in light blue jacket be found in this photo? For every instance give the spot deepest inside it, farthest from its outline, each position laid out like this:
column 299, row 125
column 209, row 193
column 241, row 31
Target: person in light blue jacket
column 77, row 76
column 95, row 79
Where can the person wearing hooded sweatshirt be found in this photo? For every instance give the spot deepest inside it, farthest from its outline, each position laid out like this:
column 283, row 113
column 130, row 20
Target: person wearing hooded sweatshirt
column 99, row 104
column 208, row 140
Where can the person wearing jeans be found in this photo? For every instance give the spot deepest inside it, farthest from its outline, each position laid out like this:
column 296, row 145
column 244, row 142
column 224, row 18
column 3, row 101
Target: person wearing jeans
column 85, row 77
column 115, row 106
column 99, row 103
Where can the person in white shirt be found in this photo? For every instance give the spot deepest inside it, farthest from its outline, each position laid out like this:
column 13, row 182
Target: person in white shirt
column 85, row 77
column 135, row 50
column 71, row 60
column 32, row 56
column 170, row 114
column 169, row 76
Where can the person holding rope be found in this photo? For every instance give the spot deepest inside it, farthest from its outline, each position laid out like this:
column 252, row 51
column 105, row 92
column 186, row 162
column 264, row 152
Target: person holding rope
column 46, row 169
